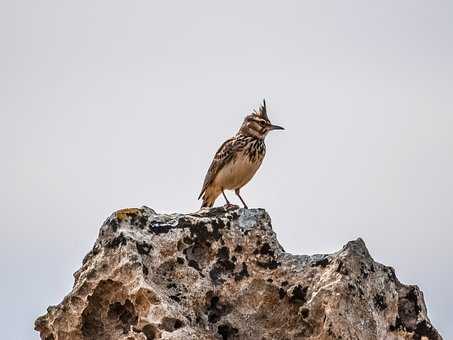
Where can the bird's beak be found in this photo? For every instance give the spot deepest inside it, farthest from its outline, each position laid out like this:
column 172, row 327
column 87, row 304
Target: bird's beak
column 276, row 127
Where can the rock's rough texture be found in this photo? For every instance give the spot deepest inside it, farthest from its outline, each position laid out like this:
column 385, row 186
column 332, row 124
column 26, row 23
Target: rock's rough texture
column 221, row 274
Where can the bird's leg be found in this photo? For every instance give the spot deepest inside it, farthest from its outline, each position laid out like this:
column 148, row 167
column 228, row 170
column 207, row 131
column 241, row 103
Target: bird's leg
column 226, row 199
column 237, row 193
column 228, row 204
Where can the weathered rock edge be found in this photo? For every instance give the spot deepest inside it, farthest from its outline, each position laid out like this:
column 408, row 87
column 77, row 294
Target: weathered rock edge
column 221, row 274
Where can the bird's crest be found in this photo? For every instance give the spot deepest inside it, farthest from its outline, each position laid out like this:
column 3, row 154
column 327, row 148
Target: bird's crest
column 262, row 112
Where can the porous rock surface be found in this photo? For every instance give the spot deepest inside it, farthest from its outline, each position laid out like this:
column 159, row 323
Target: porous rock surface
column 221, row 274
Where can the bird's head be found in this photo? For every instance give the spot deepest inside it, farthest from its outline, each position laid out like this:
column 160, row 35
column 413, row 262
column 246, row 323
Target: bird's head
column 257, row 124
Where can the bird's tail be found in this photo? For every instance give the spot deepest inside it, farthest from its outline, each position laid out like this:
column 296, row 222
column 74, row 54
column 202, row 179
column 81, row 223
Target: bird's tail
column 209, row 197
column 206, row 205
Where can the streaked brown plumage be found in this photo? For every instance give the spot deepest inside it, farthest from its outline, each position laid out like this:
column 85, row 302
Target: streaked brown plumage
column 238, row 158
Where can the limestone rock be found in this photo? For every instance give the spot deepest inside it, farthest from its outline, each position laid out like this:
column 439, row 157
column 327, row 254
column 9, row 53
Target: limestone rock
column 221, row 274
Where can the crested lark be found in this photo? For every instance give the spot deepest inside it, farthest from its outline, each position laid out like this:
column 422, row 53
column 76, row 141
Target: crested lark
column 238, row 158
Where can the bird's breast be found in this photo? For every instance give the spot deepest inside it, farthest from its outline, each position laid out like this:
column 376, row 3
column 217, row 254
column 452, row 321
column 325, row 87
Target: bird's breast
column 239, row 171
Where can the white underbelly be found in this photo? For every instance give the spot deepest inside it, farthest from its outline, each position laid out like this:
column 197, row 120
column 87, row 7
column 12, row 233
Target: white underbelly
column 238, row 173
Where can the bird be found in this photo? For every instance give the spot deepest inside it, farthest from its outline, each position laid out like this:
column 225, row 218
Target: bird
column 238, row 158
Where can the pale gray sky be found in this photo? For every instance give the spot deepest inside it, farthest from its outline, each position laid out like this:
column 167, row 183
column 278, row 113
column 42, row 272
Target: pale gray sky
column 112, row 104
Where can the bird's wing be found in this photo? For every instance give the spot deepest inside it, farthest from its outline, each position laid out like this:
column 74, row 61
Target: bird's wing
column 225, row 154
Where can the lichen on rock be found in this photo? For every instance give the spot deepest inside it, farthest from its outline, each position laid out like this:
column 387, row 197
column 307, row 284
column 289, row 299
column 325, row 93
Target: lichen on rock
column 220, row 273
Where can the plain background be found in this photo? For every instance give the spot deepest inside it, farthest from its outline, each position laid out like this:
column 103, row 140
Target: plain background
column 113, row 104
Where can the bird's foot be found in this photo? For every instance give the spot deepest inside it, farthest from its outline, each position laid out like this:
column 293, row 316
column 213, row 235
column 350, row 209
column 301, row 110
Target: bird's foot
column 230, row 206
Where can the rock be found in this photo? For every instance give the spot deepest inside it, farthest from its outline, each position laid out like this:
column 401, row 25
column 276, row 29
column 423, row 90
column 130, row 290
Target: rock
column 221, row 274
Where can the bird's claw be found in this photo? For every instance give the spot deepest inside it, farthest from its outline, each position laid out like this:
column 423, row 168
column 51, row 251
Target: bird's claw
column 230, row 206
